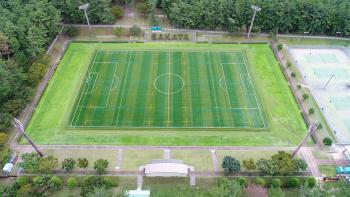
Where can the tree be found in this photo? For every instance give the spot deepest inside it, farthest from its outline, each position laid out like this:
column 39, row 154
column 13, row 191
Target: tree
column 135, row 30
column 293, row 182
column 100, row 166
column 142, row 7
column 275, row 192
column 289, row 64
column 83, row 163
column 231, row 165
column 319, row 126
column 36, row 71
column 293, row 74
column 260, row 181
column 32, row 163
column 89, row 183
column 305, row 97
column 72, row 183
column 327, row 141
column 55, row 183
column 3, row 139
column 275, row 183
column 311, row 111
column 118, row 12
column 4, row 45
column 68, row 164
column 249, row 164
column 25, row 191
column 265, row 166
column 310, row 182
column 300, row 164
column 242, row 181
column 118, row 31
column 279, row 47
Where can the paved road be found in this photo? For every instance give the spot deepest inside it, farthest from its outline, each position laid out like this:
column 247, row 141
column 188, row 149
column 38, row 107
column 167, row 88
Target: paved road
column 310, row 160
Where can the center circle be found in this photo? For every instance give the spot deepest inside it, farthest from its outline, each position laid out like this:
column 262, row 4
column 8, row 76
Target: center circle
column 169, row 83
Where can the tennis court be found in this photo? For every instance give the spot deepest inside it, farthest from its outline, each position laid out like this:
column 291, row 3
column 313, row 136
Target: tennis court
column 168, row 89
column 327, row 74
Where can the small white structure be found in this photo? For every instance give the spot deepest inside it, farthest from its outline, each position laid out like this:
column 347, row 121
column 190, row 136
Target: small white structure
column 138, row 193
column 7, row 168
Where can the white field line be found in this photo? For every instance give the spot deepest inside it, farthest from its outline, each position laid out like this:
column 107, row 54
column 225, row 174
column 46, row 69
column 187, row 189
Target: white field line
column 110, row 88
column 169, row 62
column 93, row 87
column 227, row 93
column 81, row 95
column 212, row 79
column 256, row 99
column 121, row 99
column 106, row 62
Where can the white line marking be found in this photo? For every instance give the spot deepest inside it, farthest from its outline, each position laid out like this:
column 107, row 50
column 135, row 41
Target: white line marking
column 110, row 88
column 81, row 95
column 212, row 79
column 169, row 62
column 227, row 93
column 121, row 99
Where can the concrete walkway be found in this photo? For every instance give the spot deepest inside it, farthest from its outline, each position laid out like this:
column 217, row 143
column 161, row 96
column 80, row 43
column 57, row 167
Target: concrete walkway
column 214, row 160
column 311, row 162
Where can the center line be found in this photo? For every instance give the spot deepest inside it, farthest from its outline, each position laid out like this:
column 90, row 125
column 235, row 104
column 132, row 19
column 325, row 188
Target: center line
column 168, row 92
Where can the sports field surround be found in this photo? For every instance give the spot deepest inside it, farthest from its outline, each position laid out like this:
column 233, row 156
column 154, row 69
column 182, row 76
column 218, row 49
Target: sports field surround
column 168, row 94
column 167, row 89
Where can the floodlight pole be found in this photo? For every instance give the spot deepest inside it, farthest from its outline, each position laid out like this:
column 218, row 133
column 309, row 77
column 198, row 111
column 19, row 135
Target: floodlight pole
column 85, row 7
column 312, row 129
column 20, row 129
column 329, row 80
column 256, row 9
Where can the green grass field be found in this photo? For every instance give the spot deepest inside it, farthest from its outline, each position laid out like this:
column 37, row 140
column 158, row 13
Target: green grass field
column 168, row 89
column 167, row 94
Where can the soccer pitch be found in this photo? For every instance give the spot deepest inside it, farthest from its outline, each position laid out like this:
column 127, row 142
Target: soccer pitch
column 167, row 94
column 167, row 89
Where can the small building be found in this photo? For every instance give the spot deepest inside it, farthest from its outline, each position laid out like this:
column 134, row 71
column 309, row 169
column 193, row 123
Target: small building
column 137, row 193
column 7, row 168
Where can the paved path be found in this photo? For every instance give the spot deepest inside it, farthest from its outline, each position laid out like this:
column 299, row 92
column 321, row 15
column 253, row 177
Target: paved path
column 311, row 162
column 166, row 154
column 119, row 159
column 214, row 160
column 111, row 147
column 325, row 161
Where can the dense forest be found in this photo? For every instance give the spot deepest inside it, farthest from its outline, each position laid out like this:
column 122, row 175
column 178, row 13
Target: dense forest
column 276, row 16
column 26, row 29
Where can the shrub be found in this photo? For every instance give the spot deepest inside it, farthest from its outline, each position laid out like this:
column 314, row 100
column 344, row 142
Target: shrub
column 310, row 182
column 289, row 64
column 311, row 111
column 230, row 165
column 320, row 126
column 299, row 86
column 293, row 182
column 83, row 163
column 327, row 141
column 276, row 183
column 135, row 30
column 72, row 183
column 242, row 181
column 293, row 74
column 68, row 164
column 279, row 47
column 100, row 166
column 249, row 164
column 300, row 164
column 260, row 181
column 118, row 31
column 26, row 190
column 71, row 31
column 305, row 97
column 23, row 180
column 91, row 182
column 3, row 139
column 118, row 12
column 55, row 183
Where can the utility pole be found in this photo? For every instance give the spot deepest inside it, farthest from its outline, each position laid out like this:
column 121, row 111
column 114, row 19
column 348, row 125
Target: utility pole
column 256, row 9
column 312, row 129
column 20, row 129
column 85, row 7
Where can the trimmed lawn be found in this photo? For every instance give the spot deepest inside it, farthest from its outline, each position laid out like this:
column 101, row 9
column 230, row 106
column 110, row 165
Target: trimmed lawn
column 200, row 159
column 327, row 170
column 285, row 126
column 132, row 159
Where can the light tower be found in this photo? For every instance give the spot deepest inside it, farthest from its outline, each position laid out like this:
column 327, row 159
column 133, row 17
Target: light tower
column 255, row 9
column 20, row 129
column 312, row 128
column 85, row 7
